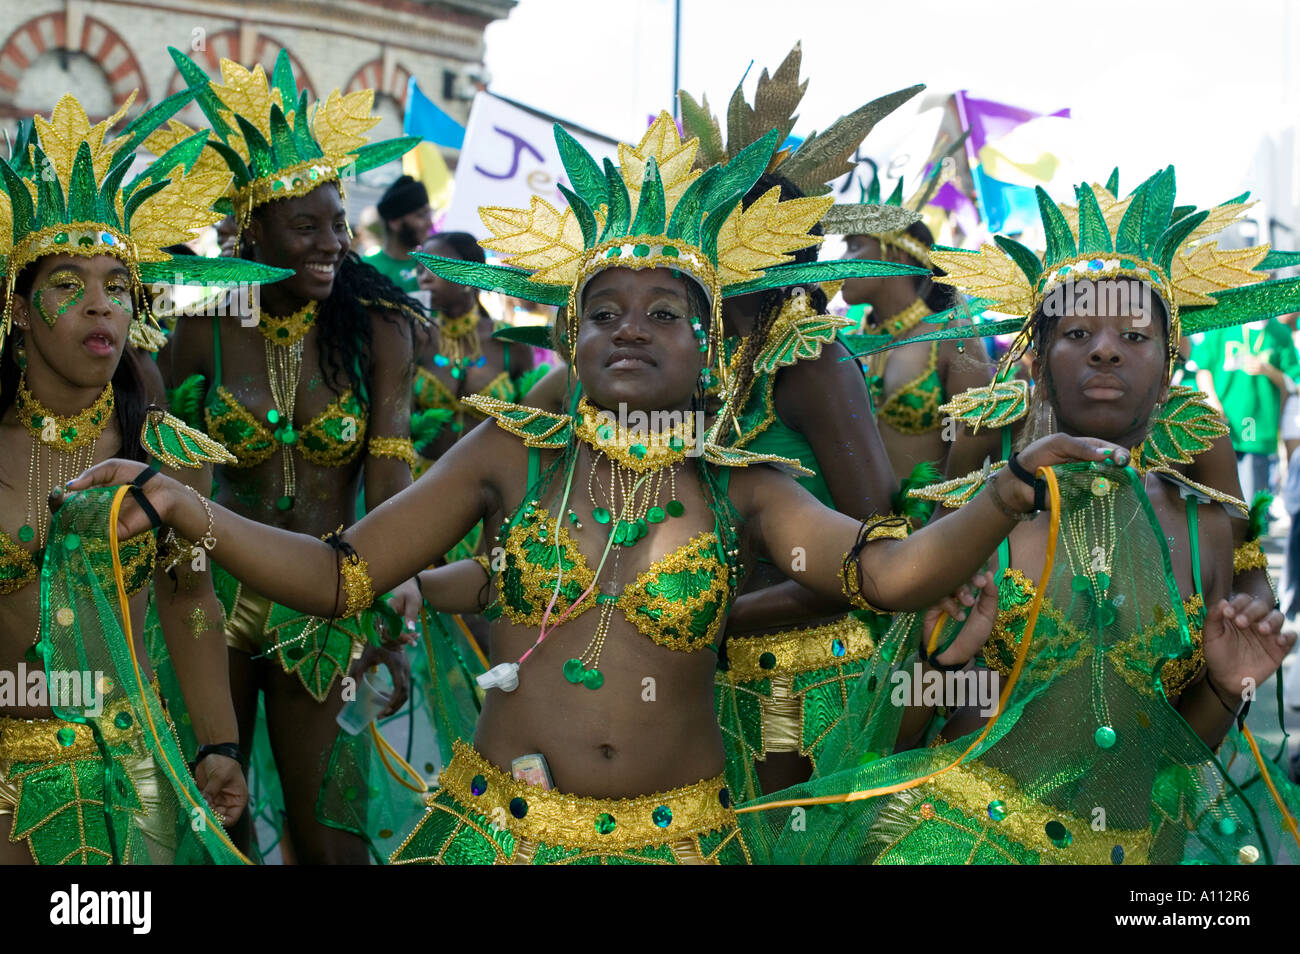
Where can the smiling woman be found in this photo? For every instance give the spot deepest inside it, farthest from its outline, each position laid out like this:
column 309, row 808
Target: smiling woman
column 314, row 400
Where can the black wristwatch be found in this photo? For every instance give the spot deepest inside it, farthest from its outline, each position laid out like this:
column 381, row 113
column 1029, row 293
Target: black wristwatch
column 229, row 749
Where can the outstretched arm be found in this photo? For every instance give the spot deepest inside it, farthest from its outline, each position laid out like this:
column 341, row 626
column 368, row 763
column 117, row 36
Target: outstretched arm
column 397, row 539
column 809, row 542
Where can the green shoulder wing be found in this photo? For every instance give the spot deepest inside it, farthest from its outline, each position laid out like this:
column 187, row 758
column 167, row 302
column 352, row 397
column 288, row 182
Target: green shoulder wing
column 958, row 491
column 538, row 428
column 176, row 444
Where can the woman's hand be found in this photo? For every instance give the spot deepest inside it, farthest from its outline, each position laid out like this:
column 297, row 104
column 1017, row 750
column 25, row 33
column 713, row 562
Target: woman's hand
column 977, row 605
column 1050, row 451
column 1244, row 643
column 407, row 601
column 221, row 782
column 165, row 494
column 399, row 668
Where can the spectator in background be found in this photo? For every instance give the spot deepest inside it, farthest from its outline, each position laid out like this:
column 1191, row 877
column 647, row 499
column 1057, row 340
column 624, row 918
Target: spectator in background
column 1247, row 372
column 404, row 210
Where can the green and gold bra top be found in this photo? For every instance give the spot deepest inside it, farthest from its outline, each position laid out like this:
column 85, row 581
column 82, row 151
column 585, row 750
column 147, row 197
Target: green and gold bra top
column 915, row 407
column 20, row 567
column 333, row 438
column 678, row 602
column 1061, row 646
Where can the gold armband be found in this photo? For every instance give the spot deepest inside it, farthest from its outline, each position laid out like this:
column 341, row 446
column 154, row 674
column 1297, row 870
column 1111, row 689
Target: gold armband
column 1249, row 556
column 399, row 447
column 485, row 563
column 354, row 573
column 891, row 527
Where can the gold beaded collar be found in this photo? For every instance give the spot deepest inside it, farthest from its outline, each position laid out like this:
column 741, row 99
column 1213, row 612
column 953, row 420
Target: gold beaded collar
column 64, row 433
column 632, row 443
column 459, row 326
column 907, row 319
column 290, row 329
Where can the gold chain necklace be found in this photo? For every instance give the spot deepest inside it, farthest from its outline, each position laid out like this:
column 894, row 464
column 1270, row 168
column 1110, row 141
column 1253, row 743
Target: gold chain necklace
column 67, row 447
column 896, row 327
column 284, row 345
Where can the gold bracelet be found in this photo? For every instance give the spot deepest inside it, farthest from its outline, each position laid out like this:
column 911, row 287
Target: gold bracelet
column 398, row 447
column 891, row 527
column 1249, row 556
column 356, row 583
column 208, row 540
column 1017, row 515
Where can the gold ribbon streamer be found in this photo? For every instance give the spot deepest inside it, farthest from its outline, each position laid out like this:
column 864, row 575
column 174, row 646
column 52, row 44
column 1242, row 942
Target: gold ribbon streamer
column 124, row 601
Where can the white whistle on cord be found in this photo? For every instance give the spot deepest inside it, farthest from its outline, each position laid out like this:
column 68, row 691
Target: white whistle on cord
column 504, row 676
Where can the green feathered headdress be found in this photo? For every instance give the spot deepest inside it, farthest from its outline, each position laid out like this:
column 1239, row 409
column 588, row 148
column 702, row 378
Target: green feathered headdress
column 64, row 191
column 655, row 210
column 272, row 144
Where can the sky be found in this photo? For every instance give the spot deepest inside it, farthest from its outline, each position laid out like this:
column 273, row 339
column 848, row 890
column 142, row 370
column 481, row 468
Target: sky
column 1148, row 83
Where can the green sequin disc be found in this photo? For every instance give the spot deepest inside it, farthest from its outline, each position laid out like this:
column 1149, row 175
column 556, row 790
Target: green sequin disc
column 71, row 542
column 66, row 736
column 1104, row 737
column 1058, row 834
column 600, row 515
column 573, row 670
column 593, row 678
column 284, row 503
column 675, row 508
column 605, row 823
column 767, row 661
column 997, row 810
column 655, row 515
column 123, row 720
column 26, row 533
column 662, row 816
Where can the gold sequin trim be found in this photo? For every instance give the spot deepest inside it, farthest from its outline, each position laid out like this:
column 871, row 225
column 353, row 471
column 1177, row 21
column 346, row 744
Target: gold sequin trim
column 398, row 447
column 1249, row 556
column 37, row 740
column 799, row 650
column 973, row 786
column 554, row 818
column 892, row 527
column 603, row 432
column 356, row 584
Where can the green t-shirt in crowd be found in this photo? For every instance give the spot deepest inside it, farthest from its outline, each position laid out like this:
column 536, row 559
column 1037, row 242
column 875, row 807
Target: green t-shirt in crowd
column 402, row 274
column 1251, row 402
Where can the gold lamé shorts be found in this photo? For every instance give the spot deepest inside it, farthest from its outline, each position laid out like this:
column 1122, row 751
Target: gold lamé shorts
column 781, row 657
column 247, row 620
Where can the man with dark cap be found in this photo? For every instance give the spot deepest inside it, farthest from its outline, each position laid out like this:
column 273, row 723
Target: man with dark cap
column 404, row 210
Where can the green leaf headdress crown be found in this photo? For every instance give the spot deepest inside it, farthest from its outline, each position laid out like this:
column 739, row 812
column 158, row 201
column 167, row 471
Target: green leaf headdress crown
column 64, row 191
column 273, row 145
column 654, row 210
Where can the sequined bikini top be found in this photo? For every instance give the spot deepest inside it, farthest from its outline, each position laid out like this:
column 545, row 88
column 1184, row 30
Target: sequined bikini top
column 1064, row 647
column 678, row 601
column 19, row 567
column 333, row 438
column 913, row 408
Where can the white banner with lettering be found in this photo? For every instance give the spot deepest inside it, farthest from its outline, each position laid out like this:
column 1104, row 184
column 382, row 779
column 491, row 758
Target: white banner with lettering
column 509, row 156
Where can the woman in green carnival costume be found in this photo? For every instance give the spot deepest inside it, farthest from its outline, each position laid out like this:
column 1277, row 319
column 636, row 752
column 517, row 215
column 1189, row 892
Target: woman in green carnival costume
column 1122, row 671
column 314, row 402
column 605, row 511
column 456, row 354
column 90, row 772
column 791, row 656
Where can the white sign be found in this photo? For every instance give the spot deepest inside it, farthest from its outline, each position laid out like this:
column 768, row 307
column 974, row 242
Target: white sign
column 508, row 157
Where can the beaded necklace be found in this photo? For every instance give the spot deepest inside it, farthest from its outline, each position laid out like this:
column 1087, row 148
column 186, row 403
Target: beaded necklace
column 283, row 340
column 641, row 467
column 67, row 447
column 458, row 343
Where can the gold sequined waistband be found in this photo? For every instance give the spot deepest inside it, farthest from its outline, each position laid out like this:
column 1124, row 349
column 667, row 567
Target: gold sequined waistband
column 54, row 740
column 590, row 824
column 799, row 650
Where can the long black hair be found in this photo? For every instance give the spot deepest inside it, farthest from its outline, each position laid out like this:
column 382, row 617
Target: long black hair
column 344, row 332
column 130, row 395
